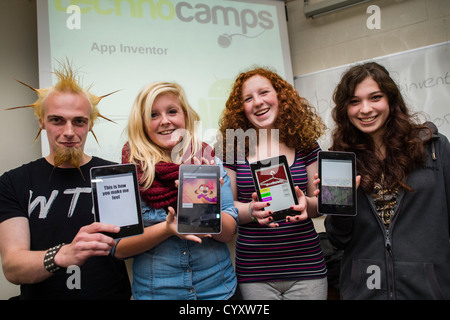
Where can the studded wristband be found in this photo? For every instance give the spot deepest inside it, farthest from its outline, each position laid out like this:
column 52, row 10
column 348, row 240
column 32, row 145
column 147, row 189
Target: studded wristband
column 49, row 259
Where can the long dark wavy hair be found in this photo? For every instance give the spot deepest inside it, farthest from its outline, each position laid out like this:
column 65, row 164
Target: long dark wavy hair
column 404, row 146
column 298, row 123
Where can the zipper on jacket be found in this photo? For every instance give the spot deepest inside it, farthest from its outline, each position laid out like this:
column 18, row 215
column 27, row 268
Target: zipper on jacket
column 390, row 277
column 388, row 243
column 390, row 265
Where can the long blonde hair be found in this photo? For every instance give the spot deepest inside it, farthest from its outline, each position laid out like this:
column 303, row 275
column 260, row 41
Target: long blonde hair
column 145, row 152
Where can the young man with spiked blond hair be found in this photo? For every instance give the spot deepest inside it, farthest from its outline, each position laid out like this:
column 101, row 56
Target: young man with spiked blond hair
column 49, row 242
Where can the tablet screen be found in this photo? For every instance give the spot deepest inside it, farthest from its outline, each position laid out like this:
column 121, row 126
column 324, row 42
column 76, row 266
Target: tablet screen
column 337, row 183
column 274, row 186
column 199, row 208
column 116, row 198
column 273, row 183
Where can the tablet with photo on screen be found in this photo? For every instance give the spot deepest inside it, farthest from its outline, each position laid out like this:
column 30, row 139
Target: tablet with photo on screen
column 337, row 174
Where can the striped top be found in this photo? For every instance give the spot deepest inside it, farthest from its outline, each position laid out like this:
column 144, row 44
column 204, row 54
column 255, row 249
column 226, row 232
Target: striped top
column 291, row 251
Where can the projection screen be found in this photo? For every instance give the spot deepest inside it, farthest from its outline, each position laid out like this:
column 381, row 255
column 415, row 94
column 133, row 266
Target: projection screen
column 125, row 44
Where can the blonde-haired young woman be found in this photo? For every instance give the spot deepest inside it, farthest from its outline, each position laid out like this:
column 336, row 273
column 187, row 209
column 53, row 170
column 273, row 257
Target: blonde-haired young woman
column 168, row 265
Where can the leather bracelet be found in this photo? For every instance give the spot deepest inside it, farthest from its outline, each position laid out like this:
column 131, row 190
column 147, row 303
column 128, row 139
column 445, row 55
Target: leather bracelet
column 250, row 211
column 49, row 259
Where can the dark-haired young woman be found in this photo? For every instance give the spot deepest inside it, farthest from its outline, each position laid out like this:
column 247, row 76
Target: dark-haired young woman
column 397, row 246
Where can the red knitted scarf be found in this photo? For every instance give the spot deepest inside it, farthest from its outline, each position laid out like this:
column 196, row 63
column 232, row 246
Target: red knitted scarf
column 163, row 192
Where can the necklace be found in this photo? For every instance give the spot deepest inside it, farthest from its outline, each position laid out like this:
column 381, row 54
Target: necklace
column 385, row 200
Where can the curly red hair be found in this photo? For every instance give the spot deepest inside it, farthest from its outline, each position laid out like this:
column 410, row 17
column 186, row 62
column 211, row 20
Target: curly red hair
column 298, row 123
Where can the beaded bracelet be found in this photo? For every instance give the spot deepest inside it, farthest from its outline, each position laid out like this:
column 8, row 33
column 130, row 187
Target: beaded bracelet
column 250, row 211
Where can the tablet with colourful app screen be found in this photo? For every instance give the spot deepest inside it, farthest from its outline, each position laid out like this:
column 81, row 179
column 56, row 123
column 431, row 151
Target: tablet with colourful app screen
column 273, row 183
column 199, row 201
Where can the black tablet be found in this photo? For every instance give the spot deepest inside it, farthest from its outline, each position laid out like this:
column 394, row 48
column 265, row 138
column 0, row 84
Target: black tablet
column 199, row 201
column 337, row 174
column 115, row 193
column 273, row 183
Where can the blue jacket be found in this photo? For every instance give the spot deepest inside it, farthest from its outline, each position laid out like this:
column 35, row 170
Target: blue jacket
column 178, row 269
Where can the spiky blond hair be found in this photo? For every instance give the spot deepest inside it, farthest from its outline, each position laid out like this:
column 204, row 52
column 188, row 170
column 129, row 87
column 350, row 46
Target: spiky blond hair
column 68, row 81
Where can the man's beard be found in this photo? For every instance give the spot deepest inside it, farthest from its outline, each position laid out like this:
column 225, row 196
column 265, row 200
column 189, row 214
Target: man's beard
column 70, row 155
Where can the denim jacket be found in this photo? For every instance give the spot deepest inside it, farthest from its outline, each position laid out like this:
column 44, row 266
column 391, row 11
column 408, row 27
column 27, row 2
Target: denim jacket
column 179, row 269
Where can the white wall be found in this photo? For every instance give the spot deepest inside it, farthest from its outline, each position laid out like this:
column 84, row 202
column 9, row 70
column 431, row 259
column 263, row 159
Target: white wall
column 18, row 60
column 316, row 44
column 342, row 37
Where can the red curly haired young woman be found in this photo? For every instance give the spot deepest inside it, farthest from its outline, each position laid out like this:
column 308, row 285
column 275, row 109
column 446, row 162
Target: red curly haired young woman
column 274, row 259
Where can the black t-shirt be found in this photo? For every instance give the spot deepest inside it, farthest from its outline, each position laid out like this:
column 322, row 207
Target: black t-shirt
column 57, row 203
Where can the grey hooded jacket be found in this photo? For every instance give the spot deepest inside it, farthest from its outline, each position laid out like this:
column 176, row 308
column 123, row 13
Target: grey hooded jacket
column 411, row 259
